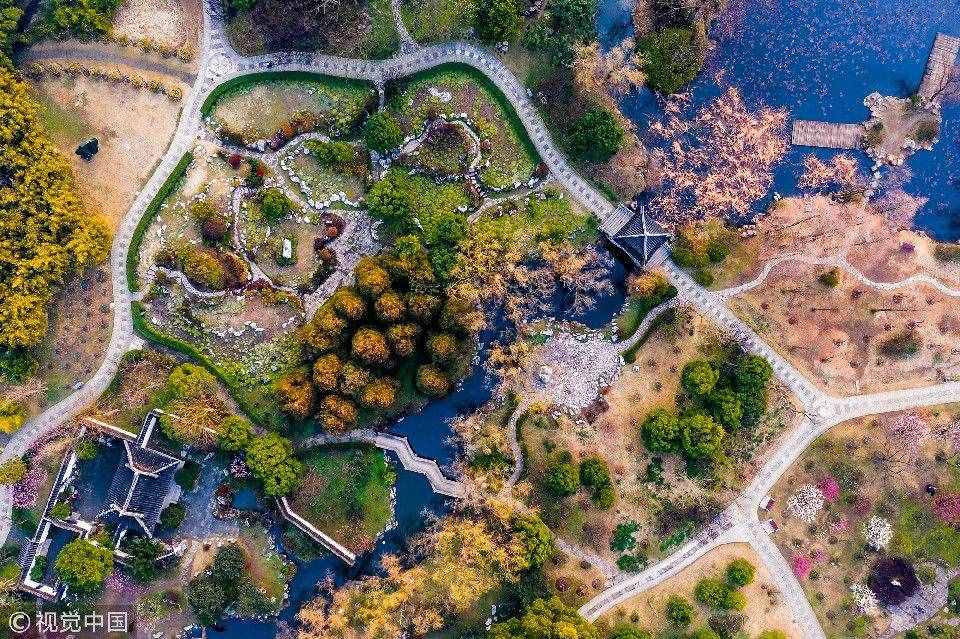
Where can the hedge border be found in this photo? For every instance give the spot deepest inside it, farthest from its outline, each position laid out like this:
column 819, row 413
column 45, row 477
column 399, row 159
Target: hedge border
column 264, row 77
column 146, row 330
column 149, row 214
column 397, row 86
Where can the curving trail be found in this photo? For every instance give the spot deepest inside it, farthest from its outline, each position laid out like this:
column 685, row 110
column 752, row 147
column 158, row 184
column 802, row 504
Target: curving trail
column 739, row 522
column 837, row 261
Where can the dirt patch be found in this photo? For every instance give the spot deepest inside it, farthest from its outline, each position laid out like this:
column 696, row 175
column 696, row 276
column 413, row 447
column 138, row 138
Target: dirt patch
column 169, row 22
column 842, row 335
column 765, row 608
column 819, row 226
column 130, row 147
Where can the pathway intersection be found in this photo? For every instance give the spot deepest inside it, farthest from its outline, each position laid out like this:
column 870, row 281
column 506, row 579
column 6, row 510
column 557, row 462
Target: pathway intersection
column 739, row 522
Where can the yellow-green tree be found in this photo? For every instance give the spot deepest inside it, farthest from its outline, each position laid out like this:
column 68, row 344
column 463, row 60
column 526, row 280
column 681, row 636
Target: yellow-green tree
column 46, row 235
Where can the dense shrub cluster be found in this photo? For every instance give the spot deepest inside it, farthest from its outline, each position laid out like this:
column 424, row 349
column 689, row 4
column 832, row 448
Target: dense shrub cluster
column 380, row 344
column 718, row 397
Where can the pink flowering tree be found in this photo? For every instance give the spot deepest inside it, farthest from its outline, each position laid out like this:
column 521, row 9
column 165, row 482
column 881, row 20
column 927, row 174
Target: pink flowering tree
column 829, row 488
column 25, row 491
column 840, row 525
column 802, row 565
column 906, row 434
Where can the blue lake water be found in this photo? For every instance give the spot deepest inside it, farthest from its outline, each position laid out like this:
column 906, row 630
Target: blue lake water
column 819, row 59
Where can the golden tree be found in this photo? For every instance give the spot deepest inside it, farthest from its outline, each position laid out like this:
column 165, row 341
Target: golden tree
column 46, row 236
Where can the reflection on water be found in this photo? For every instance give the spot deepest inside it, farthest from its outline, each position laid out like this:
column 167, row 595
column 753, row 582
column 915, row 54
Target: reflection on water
column 820, row 59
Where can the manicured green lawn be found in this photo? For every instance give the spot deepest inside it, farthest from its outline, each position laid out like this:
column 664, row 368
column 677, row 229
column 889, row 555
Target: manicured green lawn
column 346, row 493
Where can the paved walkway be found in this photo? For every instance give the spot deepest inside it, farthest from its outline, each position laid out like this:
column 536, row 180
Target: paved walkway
column 410, row 460
column 739, row 522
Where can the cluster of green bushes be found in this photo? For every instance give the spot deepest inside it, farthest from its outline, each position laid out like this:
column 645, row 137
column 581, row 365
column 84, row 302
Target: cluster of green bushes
column 563, row 478
column 674, row 57
column 269, row 456
column 262, row 413
column 947, row 252
column 412, row 205
column 719, row 595
column 341, row 156
column 906, row 343
column 218, row 588
column 150, row 214
column 563, row 26
column 380, row 345
column 212, row 266
column 699, row 246
column 718, row 397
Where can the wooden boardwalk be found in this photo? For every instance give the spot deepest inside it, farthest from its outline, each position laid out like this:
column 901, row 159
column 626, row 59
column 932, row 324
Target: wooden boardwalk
column 943, row 56
column 827, row 135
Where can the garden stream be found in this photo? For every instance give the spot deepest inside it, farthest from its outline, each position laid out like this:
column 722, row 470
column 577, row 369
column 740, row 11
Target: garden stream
column 431, row 435
column 819, row 59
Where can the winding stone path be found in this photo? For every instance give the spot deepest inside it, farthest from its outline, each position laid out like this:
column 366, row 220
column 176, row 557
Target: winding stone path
column 739, row 522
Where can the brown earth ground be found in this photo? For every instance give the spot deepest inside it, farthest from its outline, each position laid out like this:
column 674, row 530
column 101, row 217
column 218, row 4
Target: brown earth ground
column 765, row 609
column 134, row 128
column 818, row 226
column 614, row 435
column 169, row 22
column 881, row 480
column 835, row 334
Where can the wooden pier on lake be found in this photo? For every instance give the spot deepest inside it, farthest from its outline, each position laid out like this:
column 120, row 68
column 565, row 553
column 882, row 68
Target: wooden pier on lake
column 943, row 57
column 827, row 135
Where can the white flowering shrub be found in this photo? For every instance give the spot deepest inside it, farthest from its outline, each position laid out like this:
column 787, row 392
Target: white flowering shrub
column 866, row 600
column 878, row 532
column 805, row 503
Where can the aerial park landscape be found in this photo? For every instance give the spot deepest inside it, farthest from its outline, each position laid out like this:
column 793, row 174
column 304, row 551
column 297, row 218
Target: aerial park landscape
column 343, row 319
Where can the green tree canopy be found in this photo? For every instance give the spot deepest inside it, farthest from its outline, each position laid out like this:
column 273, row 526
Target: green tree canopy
column 680, row 612
column 497, row 20
column 274, row 205
column 702, row 437
column 207, row 599
column 545, row 619
column 536, row 538
column 270, row 459
column 740, row 573
column 698, row 378
column 629, row 631
column 753, row 372
column 661, row 431
column 235, row 433
column 596, row 135
column 382, row 132
column 83, row 565
column 673, row 59
column 561, row 476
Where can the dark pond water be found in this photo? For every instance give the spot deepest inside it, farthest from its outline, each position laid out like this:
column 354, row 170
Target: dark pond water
column 820, row 59
column 415, row 499
column 430, row 435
